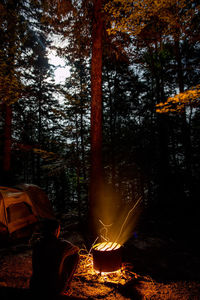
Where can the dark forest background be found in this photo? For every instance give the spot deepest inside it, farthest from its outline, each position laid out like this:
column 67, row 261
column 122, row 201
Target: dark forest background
column 45, row 127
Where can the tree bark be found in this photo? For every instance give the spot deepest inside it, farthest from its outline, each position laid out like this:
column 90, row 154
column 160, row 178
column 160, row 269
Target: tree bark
column 96, row 175
column 162, row 134
column 186, row 131
column 7, row 143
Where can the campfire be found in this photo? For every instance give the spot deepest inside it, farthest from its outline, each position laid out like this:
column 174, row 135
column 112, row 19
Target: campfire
column 113, row 226
column 107, row 254
column 107, row 257
column 87, row 272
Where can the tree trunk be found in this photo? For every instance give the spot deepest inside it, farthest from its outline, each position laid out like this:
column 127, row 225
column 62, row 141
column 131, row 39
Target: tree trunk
column 82, row 130
column 112, row 121
column 186, row 134
column 11, row 32
column 38, row 179
column 7, row 142
column 78, row 187
column 162, row 134
column 96, row 175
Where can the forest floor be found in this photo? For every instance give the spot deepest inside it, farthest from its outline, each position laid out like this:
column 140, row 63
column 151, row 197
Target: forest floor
column 153, row 268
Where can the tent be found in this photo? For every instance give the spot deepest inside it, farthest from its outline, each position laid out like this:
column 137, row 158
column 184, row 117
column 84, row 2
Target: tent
column 22, row 207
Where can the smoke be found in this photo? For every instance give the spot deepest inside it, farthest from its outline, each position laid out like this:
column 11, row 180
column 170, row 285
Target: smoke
column 115, row 219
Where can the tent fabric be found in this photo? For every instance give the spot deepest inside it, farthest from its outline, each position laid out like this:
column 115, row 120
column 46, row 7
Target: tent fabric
column 16, row 197
column 23, row 206
column 39, row 200
column 3, row 216
column 21, row 223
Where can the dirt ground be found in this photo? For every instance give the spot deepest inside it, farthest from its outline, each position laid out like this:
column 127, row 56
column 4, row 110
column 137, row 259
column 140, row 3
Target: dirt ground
column 150, row 272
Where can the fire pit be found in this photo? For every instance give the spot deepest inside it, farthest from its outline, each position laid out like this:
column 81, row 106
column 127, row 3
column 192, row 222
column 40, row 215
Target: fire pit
column 107, row 257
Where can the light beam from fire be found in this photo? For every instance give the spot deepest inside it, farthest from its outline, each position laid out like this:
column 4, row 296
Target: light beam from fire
column 115, row 219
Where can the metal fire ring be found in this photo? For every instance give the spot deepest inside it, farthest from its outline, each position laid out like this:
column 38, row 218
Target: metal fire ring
column 106, row 260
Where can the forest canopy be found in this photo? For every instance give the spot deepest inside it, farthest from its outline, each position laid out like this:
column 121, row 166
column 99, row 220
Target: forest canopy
column 129, row 61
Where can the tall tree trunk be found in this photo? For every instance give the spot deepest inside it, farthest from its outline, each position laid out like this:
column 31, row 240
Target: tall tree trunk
column 82, row 129
column 38, row 179
column 185, row 125
column 96, row 176
column 112, row 121
column 7, row 142
column 78, row 184
column 186, row 134
column 11, row 32
column 162, row 125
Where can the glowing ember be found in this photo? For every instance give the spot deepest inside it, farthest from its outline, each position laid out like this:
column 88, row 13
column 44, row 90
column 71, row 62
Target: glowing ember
column 107, row 246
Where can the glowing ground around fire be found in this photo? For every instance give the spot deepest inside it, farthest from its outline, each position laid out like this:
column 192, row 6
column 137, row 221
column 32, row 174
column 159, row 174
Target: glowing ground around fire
column 15, row 272
column 85, row 269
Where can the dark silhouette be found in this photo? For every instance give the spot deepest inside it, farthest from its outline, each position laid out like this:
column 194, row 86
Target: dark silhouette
column 54, row 262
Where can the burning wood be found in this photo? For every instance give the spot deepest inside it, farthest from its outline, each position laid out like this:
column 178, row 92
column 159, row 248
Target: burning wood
column 106, row 246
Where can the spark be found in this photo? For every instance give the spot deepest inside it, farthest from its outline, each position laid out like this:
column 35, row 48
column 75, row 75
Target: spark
column 105, row 228
column 93, row 245
column 130, row 211
column 103, row 238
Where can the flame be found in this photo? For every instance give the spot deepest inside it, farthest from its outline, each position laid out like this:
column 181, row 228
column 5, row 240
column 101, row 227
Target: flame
column 107, row 246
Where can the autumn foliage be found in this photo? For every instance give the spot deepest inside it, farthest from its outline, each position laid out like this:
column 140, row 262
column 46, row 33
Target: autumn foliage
column 178, row 103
